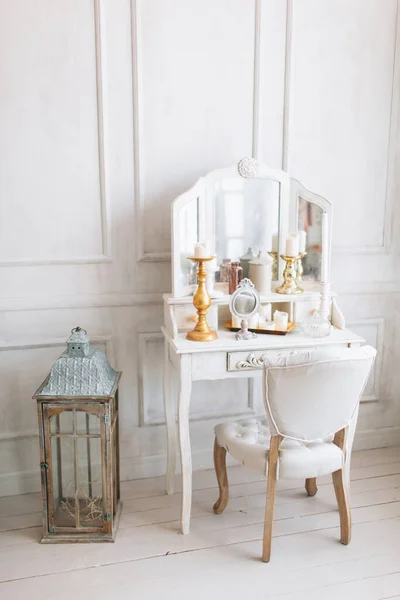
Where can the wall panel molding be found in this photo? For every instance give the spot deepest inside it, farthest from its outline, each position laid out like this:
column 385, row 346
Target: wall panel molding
column 31, row 433
column 389, row 198
column 379, row 324
column 51, row 302
column 105, row 256
column 391, row 175
column 143, row 341
column 141, row 254
column 58, row 342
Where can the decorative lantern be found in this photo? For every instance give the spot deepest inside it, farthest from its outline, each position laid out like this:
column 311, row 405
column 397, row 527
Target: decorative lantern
column 79, row 445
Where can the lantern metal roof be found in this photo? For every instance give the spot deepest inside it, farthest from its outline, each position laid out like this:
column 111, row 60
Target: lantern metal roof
column 80, row 371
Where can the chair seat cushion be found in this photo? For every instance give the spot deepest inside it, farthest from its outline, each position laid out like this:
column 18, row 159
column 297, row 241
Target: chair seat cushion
column 248, row 442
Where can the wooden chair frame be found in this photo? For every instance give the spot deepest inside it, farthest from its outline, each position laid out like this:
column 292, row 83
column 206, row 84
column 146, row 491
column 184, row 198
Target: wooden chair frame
column 338, row 480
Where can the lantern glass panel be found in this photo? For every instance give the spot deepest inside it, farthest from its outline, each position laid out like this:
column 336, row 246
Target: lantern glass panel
column 62, row 423
column 87, row 423
column 77, row 488
column 90, row 489
column 62, row 451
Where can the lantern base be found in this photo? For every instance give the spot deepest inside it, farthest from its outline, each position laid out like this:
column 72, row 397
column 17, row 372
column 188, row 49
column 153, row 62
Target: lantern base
column 59, row 537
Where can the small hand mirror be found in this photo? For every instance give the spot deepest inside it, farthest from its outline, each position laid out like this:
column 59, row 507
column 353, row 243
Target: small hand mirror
column 244, row 303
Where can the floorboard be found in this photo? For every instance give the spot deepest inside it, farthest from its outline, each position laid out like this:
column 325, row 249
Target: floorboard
column 152, row 560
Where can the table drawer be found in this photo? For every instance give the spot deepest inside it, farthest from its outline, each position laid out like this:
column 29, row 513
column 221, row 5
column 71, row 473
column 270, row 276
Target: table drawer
column 208, row 365
column 215, row 365
column 254, row 360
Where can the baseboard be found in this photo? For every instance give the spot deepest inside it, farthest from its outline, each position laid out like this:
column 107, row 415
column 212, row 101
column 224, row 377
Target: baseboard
column 20, row 482
column 377, row 438
column 26, row 482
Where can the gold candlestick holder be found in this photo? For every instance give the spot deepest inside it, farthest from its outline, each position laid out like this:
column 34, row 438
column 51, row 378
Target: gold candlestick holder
column 289, row 285
column 201, row 302
column 299, row 267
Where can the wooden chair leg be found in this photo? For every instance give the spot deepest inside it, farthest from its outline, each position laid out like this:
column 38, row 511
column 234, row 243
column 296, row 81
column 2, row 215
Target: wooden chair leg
column 339, row 483
column 311, row 486
column 273, row 456
column 222, row 477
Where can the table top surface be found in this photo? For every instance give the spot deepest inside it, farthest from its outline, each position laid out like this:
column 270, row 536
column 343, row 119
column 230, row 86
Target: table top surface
column 227, row 342
column 271, row 297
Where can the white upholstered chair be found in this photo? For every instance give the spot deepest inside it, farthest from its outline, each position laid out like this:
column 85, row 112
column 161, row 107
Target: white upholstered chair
column 310, row 400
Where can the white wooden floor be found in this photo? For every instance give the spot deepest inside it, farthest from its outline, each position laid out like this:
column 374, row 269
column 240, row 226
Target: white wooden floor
column 221, row 557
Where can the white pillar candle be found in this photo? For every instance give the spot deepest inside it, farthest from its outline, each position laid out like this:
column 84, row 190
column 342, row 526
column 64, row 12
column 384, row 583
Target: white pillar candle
column 292, row 244
column 199, row 251
column 281, row 320
column 266, row 311
column 236, row 321
column 302, row 241
column 274, row 242
column 253, row 321
column 324, row 249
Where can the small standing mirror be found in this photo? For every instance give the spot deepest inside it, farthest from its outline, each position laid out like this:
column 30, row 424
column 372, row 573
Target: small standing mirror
column 244, row 303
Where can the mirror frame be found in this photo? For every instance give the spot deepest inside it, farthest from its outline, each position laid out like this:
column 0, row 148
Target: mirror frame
column 246, row 285
column 290, row 191
column 299, row 191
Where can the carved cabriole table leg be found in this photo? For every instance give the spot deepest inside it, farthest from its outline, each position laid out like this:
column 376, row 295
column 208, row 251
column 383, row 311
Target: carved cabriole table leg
column 169, row 422
column 185, row 388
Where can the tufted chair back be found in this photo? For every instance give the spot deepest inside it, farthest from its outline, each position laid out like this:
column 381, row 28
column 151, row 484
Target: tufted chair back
column 310, row 396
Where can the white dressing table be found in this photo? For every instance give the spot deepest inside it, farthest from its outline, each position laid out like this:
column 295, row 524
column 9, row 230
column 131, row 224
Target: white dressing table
column 274, row 202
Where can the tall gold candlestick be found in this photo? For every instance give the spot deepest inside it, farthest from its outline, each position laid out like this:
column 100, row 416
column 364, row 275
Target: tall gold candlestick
column 299, row 267
column 289, row 285
column 201, row 302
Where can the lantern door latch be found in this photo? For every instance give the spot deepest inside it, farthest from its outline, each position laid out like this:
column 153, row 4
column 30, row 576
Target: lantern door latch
column 105, row 419
column 44, row 466
column 107, row 516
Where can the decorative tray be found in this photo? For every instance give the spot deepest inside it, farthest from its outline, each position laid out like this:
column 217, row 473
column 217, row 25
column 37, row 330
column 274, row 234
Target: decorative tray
column 290, row 328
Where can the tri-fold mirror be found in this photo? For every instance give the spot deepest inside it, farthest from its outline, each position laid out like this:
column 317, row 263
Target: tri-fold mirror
column 249, row 207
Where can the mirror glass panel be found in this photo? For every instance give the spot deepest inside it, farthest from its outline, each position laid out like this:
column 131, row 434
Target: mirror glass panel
column 246, row 216
column 310, row 221
column 188, row 226
column 244, row 303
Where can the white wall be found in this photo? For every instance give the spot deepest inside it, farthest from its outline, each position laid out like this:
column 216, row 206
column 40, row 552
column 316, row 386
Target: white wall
column 108, row 110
